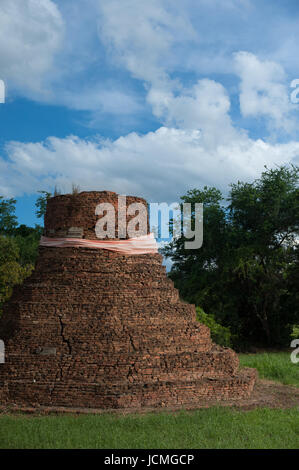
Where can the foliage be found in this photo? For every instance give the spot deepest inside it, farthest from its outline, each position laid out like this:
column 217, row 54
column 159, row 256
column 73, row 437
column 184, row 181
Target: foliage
column 18, row 249
column 75, row 189
column 41, row 203
column 27, row 239
column 11, row 271
column 247, row 270
column 295, row 332
column 8, row 219
column 219, row 334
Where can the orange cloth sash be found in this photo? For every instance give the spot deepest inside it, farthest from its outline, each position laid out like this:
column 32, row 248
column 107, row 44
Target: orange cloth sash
column 132, row 246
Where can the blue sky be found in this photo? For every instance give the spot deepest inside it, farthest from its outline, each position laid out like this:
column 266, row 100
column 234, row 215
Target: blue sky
column 149, row 98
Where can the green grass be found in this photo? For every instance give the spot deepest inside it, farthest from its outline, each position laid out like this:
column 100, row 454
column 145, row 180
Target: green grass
column 214, row 428
column 273, row 366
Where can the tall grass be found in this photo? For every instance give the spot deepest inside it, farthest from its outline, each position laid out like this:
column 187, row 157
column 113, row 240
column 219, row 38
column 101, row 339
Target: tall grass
column 273, row 366
column 214, row 428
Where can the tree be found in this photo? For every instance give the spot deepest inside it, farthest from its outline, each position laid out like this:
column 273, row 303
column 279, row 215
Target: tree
column 8, row 219
column 245, row 269
column 27, row 239
column 18, row 249
column 264, row 216
column 196, row 272
column 11, row 272
column 41, row 203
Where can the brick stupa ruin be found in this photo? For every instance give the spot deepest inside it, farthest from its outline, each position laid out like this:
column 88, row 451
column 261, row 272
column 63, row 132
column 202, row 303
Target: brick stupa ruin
column 93, row 328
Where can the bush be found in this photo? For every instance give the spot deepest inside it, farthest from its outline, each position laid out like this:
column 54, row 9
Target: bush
column 295, row 332
column 11, row 271
column 220, row 334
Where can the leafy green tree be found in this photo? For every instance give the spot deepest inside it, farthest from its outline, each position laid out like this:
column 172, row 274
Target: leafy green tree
column 264, row 217
column 27, row 239
column 245, row 270
column 8, row 219
column 18, row 249
column 41, row 203
column 196, row 272
column 11, row 272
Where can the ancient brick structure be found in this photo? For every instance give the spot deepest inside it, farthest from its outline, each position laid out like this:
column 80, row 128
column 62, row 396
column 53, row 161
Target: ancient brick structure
column 95, row 328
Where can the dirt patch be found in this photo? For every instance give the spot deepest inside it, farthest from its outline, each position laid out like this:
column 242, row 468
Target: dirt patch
column 270, row 394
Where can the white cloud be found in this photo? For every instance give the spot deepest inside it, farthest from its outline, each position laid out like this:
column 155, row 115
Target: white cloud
column 102, row 100
column 204, row 106
column 160, row 165
column 198, row 142
column 141, row 35
column 31, row 32
column 48, row 50
column 150, row 39
column 197, row 145
column 264, row 91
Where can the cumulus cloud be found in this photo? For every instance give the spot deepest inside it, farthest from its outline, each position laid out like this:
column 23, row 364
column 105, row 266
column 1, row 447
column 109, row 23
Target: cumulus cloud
column 197, row 142
column 141, row 35
column 31, row 32
column 264, row 91
column 160, row 165
column 205, row 106
column 66, row 53
column 150, row 39
column 50, row 53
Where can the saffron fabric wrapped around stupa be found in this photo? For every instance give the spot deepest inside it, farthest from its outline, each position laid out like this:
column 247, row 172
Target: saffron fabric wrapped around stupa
column 98, row 328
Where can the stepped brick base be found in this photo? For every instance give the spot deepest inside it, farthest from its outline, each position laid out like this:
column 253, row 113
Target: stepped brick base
column 94, row 328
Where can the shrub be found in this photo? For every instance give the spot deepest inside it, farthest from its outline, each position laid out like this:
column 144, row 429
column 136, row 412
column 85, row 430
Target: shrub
column 11, row 271
column 295, row 332
column 220, row 334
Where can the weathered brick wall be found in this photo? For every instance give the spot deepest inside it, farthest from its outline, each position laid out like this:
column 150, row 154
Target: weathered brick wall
column 68, row 212
column 95, row 328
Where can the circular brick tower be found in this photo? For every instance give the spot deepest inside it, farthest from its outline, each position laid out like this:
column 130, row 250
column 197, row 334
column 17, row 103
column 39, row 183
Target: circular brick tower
column 93, row 328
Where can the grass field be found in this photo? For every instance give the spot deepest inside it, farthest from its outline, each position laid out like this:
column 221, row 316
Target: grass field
column 214, row 428
column 273, row 366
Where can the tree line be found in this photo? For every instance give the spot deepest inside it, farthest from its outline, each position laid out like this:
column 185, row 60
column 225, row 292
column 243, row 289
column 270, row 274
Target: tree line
column 246, row 274
column 18, row 245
